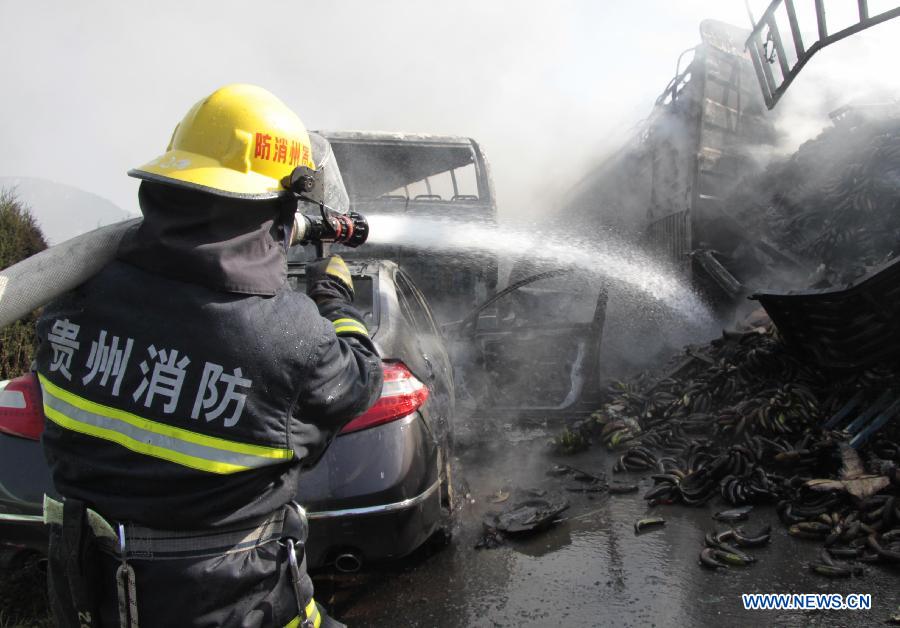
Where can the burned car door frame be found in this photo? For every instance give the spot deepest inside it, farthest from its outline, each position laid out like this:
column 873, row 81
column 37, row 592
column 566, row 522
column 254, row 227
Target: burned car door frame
column 547, row 348
column 427, row 346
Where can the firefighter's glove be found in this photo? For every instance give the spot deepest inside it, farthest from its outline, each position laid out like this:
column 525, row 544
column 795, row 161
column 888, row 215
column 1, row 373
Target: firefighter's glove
column 329, row 278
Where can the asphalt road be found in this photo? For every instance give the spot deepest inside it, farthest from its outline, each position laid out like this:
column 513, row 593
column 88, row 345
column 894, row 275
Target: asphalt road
column 591, row 569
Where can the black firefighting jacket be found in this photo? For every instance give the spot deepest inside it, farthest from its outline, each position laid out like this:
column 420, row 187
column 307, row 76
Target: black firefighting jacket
column 187, row 384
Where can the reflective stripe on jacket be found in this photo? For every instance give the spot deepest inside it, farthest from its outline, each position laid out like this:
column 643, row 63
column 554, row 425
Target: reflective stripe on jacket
column 171, row 404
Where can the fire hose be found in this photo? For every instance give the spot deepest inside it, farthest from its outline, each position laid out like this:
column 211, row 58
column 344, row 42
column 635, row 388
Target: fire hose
column 34, row 281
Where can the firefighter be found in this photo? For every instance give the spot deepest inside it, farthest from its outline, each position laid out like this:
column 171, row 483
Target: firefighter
column 187, row 385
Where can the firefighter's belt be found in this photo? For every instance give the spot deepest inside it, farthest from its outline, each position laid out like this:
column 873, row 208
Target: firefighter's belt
column 144, row 543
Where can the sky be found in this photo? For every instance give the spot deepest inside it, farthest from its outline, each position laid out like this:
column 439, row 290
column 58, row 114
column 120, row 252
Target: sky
column 92, row 89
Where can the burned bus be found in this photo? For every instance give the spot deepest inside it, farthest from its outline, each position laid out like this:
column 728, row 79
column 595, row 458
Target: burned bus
column 428, row 176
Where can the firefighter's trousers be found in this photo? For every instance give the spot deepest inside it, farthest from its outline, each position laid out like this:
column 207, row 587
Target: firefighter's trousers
column 107, row 575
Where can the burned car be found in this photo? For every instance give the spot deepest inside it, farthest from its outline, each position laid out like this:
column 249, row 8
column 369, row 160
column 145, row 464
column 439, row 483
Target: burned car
column 429, row 176
column 379, row 489
column 533, row 347
column 494, row 334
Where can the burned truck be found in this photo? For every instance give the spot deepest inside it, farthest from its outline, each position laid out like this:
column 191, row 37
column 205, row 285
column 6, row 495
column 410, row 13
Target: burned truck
column 707, row 130
column 426, row 176
column 811, row 236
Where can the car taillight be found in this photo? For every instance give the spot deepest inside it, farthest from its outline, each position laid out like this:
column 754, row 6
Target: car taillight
column 401, row 395
column 21, row 409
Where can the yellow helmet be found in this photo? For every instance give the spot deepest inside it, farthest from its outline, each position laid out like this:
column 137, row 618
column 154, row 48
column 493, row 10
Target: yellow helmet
column 239, row 142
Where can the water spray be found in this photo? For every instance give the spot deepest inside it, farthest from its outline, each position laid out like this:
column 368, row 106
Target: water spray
column 598, row 253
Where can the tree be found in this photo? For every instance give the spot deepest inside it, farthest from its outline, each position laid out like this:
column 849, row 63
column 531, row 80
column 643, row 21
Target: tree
column 20, row 237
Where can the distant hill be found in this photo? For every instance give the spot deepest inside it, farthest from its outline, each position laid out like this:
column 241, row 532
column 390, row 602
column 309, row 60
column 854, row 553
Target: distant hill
column 63, row 211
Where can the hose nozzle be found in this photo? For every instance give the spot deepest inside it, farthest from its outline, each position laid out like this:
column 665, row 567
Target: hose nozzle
column 350, row 229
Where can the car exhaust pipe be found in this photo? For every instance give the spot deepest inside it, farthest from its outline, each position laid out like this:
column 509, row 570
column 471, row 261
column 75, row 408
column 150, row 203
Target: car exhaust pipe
column 348, row 562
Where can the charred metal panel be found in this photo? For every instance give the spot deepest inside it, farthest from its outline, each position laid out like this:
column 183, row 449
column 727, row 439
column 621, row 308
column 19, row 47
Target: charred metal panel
column 670, row 236
column 733, row 122
column 713, row 268
column 851, row 327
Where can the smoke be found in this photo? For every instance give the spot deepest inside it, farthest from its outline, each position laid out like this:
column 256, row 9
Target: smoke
column 93, row 89
column 801, row 202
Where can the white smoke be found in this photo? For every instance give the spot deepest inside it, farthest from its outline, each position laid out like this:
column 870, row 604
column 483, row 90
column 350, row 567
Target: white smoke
column 94, row 88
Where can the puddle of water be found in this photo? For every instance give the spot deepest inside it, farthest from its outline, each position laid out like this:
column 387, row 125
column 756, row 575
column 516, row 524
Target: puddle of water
column 593, row 570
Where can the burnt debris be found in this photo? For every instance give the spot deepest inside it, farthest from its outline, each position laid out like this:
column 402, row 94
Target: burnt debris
column 742, row 421
column 833, row 206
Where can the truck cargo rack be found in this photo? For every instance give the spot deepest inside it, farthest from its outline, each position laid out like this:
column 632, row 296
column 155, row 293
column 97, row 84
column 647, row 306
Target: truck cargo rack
column 776, row 63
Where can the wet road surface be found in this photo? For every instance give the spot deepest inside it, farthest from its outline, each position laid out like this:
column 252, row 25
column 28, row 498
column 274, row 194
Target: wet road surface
column 590, row 569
